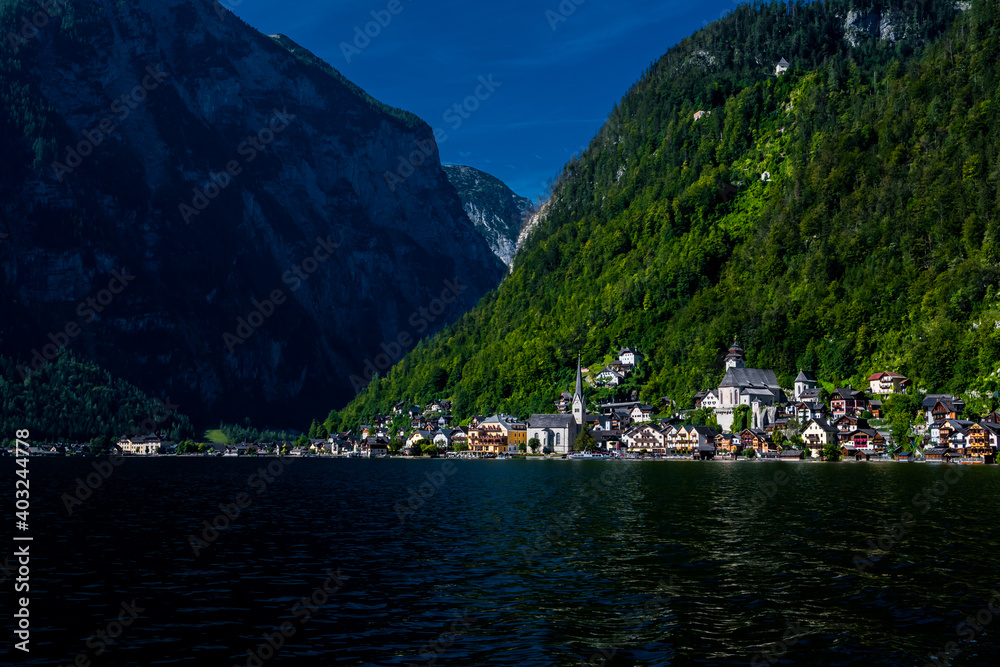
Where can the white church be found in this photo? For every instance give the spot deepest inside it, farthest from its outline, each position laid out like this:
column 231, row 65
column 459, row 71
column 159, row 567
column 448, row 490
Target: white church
column 752, row 387
column 558, row 433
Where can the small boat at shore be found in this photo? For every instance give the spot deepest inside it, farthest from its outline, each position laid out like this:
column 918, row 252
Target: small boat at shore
column 588, row 456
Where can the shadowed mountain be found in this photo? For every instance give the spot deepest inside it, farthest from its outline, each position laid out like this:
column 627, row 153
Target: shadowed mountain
column 205, row 210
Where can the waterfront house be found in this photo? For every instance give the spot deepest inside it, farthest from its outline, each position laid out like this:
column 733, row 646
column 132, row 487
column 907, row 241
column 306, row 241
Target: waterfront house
column 755, row 439
column 645, row 436
column 981, row 442
column 941, row 454
column 374, row 447
column 867, row 439
column 950, row 432
column 728, row 444
column 817, row 434
column 792, row 455
column 142, row 445
column 499, row 434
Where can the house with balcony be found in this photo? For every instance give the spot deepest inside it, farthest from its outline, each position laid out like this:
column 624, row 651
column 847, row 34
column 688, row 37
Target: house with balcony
column 817, row 434
column 727, row 444
column 645, row 436
column 641, row 413
column 848, row 401
column 887, row 382
column 757, row 440
column 498, row 434
column 950, row 405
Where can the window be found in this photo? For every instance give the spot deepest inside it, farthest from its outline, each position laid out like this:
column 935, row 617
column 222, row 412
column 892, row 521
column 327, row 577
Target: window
column 557, row 438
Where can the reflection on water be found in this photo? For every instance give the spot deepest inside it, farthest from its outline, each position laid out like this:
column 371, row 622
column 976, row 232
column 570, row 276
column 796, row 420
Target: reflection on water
column 514, row 563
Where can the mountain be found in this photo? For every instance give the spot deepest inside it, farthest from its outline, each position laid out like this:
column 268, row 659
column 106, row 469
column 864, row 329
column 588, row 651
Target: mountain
column 498, row 213
column 840, row 218
column 215, row 214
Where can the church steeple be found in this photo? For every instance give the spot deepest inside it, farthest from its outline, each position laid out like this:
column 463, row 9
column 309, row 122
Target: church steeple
column 735, row 358
column 579, row 407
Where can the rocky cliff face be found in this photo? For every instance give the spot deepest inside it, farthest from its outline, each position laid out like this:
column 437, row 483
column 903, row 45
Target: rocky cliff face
column 214, row 214
column 498, row 213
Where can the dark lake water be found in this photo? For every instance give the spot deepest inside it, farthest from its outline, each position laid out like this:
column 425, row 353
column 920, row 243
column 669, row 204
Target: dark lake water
column 512, row 563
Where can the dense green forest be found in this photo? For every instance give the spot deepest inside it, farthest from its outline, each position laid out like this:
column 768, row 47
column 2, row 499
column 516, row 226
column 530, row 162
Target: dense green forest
column 873, row 244
column 69, row 400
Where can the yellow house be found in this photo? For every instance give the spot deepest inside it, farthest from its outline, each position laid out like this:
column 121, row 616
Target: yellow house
column 499, row 434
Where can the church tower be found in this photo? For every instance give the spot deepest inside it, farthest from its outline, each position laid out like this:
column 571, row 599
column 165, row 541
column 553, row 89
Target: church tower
column 579, row 407
column 735, row 358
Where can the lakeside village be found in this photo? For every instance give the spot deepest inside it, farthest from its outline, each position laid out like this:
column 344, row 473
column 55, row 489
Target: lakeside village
column 748, row 416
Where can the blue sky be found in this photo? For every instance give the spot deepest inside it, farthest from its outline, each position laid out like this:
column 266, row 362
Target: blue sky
column 558, row 66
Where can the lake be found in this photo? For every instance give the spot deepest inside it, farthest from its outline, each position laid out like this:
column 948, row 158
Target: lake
column 395, row 562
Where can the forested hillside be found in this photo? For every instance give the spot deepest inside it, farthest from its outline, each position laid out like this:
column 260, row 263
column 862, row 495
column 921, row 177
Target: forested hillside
column 841, row 217
column 69, row 400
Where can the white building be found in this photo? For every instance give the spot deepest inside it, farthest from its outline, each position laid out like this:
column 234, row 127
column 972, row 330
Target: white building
column 752, row 387
column 629, row 357
column 804, row 382
column 558, row 433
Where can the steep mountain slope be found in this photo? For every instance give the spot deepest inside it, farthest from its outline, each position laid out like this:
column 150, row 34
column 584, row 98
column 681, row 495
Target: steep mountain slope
column 841, row 217
column 498, row 213
column 239, row 187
